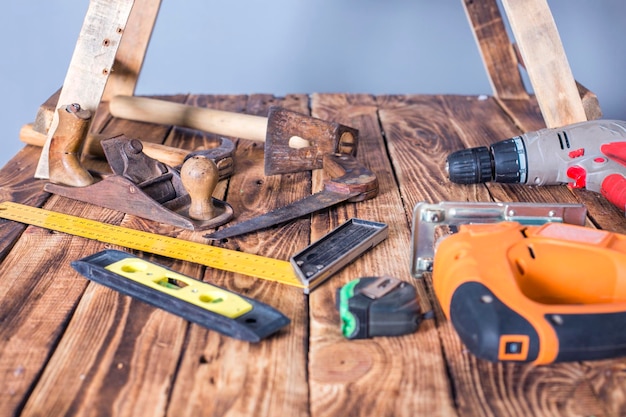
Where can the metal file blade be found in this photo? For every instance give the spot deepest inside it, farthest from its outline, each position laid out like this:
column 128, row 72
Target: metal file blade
column 349, row 181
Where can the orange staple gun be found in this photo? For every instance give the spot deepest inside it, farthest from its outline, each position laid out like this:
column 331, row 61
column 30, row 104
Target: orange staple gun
column 530, row 293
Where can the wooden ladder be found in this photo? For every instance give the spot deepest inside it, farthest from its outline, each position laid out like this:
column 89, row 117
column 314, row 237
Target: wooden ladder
column 537, row 48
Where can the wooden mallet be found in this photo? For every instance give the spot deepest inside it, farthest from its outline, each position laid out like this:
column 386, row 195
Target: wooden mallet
column 293, row 141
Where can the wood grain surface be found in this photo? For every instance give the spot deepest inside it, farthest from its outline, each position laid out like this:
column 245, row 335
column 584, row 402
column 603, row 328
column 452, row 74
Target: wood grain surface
column 482, row 388
column 222, row 376
column 72, row 347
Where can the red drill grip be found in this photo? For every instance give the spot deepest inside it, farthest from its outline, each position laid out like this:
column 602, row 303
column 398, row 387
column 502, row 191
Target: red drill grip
column 614, row 189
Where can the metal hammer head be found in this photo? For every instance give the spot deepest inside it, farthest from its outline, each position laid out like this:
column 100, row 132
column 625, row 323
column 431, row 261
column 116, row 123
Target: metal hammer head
column 314, row 138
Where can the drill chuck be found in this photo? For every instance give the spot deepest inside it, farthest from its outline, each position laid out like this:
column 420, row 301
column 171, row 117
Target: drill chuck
column 504, row 161
column 470, row 166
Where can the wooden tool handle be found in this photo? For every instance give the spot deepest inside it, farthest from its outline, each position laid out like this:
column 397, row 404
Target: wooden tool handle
column 220, row 122
column 162, row 153
column 65, row 147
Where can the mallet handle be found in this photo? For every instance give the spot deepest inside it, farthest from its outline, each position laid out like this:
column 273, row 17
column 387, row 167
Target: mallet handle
column 220, row 122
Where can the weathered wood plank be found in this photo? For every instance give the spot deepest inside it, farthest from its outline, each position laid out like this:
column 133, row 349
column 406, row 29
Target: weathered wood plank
column 223, row 376
column 91, row 63
column 132, row 50
column 589, row 98
column 18, row 184
column 502, row 57
column 419, row 138
column 42, row 294
column 124, row 343
column 607, row 381
column 481, row 388
column 549, row 72
column 498, row 54
column 131, row 352
column 383, row 376
column 28, row 313
column 125, row 364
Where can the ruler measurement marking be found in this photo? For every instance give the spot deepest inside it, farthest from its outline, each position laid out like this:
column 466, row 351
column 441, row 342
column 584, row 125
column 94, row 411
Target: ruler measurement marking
column 211, row 256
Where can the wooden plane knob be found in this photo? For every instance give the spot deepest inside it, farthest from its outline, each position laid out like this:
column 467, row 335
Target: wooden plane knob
column 199, row 176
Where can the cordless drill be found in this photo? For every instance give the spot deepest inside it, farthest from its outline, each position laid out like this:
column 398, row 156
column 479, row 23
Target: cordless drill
column 588, row 155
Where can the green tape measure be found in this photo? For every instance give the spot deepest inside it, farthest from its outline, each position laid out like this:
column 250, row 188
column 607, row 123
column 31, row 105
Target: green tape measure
column 378, row 306
column 211, row 256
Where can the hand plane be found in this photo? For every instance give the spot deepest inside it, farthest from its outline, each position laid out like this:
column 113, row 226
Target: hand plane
column 147, row 188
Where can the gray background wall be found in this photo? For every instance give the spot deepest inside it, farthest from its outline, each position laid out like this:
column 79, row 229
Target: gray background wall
column 298, row 46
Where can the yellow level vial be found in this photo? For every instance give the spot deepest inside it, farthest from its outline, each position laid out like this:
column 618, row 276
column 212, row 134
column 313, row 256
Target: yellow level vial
column 211, row 256
column 190, row 290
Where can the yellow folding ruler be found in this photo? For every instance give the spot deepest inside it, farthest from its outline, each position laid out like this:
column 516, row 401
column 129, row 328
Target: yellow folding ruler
column 211, row 256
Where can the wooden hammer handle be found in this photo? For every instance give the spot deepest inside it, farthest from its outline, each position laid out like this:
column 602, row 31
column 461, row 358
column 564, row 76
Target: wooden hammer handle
column 220, row 122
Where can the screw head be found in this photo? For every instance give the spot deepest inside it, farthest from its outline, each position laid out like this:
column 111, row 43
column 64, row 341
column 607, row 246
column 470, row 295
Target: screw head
column 487, row 299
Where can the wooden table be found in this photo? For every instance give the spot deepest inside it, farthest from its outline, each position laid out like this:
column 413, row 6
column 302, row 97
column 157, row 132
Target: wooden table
column 72, row 347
